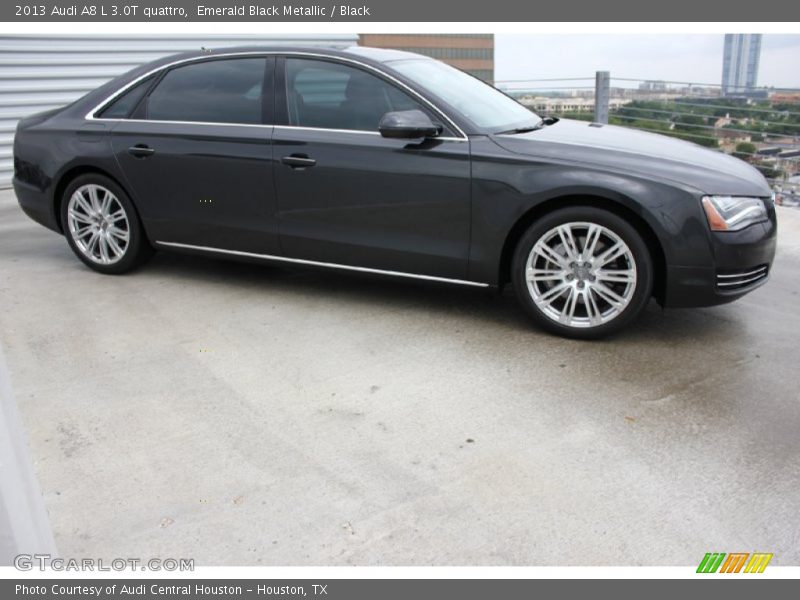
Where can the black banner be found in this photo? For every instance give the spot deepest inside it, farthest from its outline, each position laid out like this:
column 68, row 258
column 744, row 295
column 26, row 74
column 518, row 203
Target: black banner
column 394, row 11
column 386, row 589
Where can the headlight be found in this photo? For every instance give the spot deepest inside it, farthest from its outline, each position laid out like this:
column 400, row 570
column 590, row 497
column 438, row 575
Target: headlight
column 729, row 213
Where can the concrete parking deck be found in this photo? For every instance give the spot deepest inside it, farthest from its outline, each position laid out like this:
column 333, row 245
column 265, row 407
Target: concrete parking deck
column 247, row 414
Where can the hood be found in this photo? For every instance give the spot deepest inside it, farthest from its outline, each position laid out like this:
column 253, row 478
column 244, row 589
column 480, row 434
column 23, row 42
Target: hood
column 647, row 154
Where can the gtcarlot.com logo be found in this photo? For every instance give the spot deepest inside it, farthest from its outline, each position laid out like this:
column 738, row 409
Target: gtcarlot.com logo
column 735, row 562
column 28, row 562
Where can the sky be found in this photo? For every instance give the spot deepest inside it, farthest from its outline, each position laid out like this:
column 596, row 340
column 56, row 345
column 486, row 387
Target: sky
column 668, row 57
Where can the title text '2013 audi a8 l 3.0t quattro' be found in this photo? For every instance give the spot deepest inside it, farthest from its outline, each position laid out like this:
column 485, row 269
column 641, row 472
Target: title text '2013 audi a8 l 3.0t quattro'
column 391, row 163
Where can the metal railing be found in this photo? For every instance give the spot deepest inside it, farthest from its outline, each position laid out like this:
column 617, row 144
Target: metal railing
column 759, row 125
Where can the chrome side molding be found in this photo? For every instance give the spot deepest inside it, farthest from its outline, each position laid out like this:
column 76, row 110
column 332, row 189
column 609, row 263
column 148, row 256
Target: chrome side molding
column 315, row 263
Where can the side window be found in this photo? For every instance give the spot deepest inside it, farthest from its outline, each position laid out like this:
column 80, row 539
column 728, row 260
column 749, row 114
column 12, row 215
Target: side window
column 334, row 96
column 122, row 107
column 215, row 91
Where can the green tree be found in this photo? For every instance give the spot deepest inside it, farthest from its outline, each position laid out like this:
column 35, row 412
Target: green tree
column 745, row 150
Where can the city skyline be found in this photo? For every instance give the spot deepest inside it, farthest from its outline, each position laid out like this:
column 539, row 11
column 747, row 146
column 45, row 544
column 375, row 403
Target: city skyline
column 671, row 57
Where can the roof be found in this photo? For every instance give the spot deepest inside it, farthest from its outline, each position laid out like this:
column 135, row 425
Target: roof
column 383, row 54
column 368, row 54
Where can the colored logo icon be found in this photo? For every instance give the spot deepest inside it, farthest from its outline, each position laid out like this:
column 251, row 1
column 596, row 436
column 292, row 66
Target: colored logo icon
column 735, row 562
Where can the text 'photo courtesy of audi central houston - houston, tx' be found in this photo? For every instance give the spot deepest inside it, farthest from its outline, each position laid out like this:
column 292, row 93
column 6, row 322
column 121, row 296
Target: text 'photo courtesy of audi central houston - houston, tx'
column 391, row 163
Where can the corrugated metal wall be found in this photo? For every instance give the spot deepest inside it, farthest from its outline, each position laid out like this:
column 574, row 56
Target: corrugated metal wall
column 42, row 72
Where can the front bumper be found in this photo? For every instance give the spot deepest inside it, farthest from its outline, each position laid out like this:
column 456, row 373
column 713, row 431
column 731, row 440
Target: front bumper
column 741, row 262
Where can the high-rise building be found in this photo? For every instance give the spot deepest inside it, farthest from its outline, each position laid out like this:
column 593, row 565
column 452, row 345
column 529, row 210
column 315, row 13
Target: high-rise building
column 740, row 63
column 470, row 52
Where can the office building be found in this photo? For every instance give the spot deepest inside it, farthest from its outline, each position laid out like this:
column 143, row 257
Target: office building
column 473, row 53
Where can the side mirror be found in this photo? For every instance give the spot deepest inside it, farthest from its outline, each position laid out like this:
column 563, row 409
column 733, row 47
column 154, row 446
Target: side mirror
column 407, row 124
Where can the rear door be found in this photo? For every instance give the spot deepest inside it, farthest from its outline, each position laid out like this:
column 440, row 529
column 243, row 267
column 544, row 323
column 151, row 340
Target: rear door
column 197, row 152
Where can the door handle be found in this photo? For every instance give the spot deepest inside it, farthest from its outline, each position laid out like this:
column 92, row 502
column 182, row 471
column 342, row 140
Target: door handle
column 141, row 151
column 298, row 161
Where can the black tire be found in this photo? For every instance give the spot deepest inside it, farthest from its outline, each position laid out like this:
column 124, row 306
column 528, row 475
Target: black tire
column 135, row 252
column 638, row 296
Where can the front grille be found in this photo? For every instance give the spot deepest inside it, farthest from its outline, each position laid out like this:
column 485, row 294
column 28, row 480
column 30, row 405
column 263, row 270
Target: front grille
column 733, row 281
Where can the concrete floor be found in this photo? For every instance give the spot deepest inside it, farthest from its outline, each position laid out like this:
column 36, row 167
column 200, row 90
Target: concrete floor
column 244, row 414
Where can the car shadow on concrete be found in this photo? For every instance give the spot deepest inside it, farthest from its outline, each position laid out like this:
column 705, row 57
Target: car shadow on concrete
column 488, row 307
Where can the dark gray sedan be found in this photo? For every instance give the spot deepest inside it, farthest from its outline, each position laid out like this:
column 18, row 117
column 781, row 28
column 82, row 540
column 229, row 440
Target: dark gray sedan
column 395, row 164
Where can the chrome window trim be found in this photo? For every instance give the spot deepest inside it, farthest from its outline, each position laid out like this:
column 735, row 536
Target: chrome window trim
column 324, row 129
column 363, row 132
column 90, row 116
column 302, row 128
column 214, row 123
column 315, row 263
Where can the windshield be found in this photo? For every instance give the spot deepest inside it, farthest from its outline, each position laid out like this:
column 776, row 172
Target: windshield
column 482, row 104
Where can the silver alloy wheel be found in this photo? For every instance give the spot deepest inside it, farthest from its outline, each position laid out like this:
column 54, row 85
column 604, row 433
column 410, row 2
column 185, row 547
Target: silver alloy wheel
column 581, row 274
column 98, row 224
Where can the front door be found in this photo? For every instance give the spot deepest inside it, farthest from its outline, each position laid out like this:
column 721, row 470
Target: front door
column 348, row 196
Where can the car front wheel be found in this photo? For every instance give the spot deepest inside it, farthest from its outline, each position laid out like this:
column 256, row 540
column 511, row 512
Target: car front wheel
column 582, row 272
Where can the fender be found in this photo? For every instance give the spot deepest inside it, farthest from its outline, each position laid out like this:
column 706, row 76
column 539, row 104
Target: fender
column 509, row 190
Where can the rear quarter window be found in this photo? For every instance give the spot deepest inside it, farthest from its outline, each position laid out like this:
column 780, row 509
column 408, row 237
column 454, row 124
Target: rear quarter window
column 123, row 106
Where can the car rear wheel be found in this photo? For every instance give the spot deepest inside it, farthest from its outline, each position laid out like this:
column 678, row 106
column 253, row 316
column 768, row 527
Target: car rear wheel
column 101, row 225
column 582, row 272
